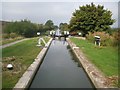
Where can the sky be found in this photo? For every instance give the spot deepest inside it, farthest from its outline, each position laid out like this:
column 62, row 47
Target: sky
column 57, row 11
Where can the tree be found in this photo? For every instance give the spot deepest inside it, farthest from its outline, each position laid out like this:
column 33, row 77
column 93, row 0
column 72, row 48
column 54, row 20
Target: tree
column 63, row 27
column 41, row 28
column 91, row 18
column 28, row 29
column 55, row 27
column 23, row 27
column 49, row 25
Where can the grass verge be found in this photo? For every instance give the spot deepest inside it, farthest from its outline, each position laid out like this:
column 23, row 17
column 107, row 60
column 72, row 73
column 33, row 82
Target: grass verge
column 105, row 58
column 6, row 41
column 20, row 55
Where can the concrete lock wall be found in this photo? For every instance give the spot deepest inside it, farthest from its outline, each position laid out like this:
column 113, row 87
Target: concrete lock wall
column 95, row 75
column 27, row 77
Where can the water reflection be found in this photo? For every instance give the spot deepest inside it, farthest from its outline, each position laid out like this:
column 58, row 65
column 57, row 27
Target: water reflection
column 74, row 58
column 64, row 42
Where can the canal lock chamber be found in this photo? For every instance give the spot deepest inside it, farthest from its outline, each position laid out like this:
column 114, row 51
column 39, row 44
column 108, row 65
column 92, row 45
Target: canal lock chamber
column 78, row 63
column 60, row 68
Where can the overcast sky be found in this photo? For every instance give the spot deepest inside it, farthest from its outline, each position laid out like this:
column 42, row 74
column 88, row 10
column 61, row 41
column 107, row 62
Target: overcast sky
column 40, row 12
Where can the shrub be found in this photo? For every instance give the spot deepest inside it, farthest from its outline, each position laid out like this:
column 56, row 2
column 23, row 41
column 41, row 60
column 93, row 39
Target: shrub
column 116, row 36
column 106, row 39
column 5, row 36
column 13, row 35
column 90, row 37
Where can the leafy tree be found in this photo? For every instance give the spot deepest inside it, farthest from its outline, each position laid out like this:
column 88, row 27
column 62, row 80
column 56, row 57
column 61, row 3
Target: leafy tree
column 63, row 27
column 91, row 18
column 23, row 27
column 55, row 27
column 49, row 25
column 28, row 29
column 41, row 28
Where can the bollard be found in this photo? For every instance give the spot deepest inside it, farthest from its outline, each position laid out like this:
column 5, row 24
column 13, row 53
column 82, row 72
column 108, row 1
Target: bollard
column 97, row 40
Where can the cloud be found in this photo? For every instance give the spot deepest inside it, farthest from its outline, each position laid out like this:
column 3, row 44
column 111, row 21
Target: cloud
column 40, row 12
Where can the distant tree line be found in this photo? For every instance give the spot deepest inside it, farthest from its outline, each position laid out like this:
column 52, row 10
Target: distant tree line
column 88, row 18
column 28, row 29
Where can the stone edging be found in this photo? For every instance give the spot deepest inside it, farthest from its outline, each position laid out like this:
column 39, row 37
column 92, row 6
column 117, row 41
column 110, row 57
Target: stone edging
column 97, row 78
column 27, row 77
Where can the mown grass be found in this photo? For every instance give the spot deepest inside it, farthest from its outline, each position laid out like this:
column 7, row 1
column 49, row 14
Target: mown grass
column 105, row 58
column 6, row 41
column 20, row 55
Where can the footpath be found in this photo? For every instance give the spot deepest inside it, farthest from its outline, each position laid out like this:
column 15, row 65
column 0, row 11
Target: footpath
column 10, row 44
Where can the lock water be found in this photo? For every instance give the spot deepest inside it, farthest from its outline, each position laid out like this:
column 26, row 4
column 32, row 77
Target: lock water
column 59, row 69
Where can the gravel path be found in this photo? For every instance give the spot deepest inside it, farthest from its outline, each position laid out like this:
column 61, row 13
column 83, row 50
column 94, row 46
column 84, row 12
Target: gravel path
column 10, row 44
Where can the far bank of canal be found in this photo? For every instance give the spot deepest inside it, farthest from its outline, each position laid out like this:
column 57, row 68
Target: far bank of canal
column 59, row 70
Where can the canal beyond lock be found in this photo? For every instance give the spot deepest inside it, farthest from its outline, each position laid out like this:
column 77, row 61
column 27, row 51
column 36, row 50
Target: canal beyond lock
column 60, row 70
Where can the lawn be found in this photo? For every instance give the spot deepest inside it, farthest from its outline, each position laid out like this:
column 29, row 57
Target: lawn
column 6, row 41
column 20, row 55
column 105, row 58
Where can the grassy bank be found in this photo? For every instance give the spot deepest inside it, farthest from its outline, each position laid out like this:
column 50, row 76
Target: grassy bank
column 6, row 41
column 20, row 55
column 105, row 58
